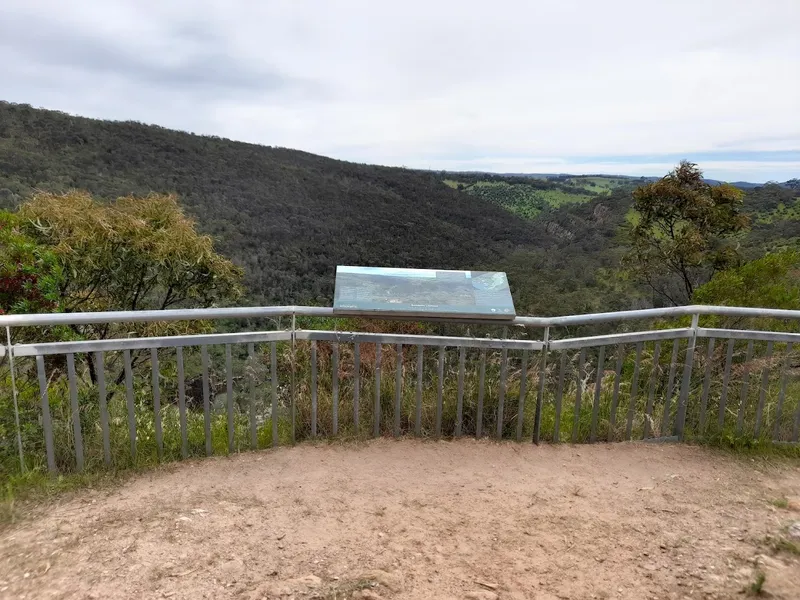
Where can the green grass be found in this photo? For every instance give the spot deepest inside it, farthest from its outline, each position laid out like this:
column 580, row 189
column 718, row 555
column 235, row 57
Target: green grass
column 788, row 546
column 780, row 503
column 756, row 588
column 522, row 199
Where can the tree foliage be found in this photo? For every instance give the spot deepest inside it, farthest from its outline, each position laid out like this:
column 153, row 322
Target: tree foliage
column 137, row 253
column 683, row 232
column 132, row 254
column 30, row 274
column 772, row 281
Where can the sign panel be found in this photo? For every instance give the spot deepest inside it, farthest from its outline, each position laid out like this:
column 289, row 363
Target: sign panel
column 423, row 293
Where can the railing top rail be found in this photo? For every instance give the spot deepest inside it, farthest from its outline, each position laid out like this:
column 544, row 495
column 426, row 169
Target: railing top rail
column 251, row 312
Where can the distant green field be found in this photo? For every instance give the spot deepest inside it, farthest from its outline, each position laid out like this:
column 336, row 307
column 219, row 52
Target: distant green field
column 596, row 184
column 783, row 212
column 525, row 200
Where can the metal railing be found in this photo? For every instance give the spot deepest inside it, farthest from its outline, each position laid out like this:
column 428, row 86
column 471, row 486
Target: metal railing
column 278, row 386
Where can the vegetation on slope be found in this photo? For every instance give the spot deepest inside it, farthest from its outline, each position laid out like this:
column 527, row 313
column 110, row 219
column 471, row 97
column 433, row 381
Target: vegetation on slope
column 287, row 217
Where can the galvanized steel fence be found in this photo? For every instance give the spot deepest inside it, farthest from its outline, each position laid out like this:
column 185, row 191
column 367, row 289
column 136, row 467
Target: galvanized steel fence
column 535, row 381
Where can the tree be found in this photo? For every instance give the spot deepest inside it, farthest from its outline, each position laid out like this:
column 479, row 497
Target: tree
column 132, row 254
column 772, row 281
column 683, row 233
column 29, row 273
column 137, row 253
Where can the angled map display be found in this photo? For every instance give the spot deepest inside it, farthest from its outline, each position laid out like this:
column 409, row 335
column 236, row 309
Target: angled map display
column 423, row 293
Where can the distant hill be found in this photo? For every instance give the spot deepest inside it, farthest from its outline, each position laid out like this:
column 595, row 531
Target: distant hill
column 288, row 217
column 619, row 179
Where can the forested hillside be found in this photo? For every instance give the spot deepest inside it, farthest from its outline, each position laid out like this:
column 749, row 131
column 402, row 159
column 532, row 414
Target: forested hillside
column 590, row 217
column 287, row 217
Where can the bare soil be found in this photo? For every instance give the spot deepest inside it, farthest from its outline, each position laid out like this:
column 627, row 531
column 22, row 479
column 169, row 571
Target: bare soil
column 409, row 519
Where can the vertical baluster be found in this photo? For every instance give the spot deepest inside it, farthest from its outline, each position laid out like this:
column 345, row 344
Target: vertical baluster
column 612, row 425
column 376, row 425
column 745, row 387
column 157, row 402
column 776, row 431
column 598, row 389
column 559, row 394
column 15, row 399
column 725, row 379
column 129, row 400
column 100, row 369
column 462, row 351
column 706, row 386
column 796, row 428
column 356, row 384
column 47, row 423
column 418, row 414
column 292, row 389
column 764, row 385
column 439, row 393
column 578, row 395
column 335, row 388
column 251, row 385
column 182, row 403
column 501, row 394
column 686, row 380
column 206, row 400
column 481, row 391
column 274, row 381
column 398, row 387
column 313, row 389
column 229, row 390
column 634, row 391
column 673, row 364
column 76, row 413
column 523, row 383
column 654, row 376
column 537, row 417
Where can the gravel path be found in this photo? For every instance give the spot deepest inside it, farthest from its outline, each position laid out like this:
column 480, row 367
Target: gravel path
column 410, row 519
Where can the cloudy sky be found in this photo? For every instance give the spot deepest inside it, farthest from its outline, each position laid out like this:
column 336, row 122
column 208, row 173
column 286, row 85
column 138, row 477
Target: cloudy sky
column 581, row 86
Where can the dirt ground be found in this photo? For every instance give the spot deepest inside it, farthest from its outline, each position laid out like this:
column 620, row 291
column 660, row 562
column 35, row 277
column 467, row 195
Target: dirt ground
column 409, row 519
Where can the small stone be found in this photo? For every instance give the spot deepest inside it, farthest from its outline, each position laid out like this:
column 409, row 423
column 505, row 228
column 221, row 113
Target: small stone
column 481, row 595
column 232, row 568
column 794, row 530
column 391, row 581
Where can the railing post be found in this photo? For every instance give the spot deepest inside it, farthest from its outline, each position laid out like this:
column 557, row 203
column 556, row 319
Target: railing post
column 16, row 401
column 537, row 421
column 292, row 388
column 686, row 382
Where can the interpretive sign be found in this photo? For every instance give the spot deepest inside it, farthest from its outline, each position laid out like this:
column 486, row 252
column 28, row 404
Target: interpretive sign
column 422, row 292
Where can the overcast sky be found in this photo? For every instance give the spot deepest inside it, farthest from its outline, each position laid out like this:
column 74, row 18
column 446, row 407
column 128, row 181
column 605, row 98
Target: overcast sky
column 581, row 86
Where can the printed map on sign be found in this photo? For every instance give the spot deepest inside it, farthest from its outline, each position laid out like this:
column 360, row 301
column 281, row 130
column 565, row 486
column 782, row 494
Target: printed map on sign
column 422, row 292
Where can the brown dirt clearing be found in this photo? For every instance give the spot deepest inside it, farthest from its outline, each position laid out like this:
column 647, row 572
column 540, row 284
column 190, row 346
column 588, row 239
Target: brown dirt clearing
column 410, row 519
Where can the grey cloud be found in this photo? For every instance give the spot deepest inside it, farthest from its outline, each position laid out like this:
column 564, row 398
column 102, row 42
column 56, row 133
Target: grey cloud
column 208, row 67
